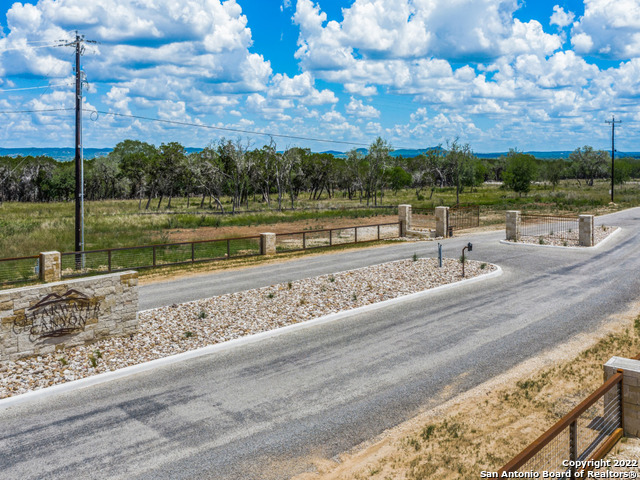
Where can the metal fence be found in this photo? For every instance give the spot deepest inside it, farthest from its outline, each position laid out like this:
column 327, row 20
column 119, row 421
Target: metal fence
column 585, row 433
column 464, row 216
column 151, row 256
column 305, row 240
column 561, row 227
column 19, row 269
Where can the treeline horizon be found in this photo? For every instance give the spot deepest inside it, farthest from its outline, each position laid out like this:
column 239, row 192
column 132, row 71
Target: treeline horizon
column 227, row 168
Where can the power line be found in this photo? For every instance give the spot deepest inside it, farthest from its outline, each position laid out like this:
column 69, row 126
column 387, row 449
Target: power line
column 42, row 110
column 35, row 88
column 226, row 129
column 28, row 47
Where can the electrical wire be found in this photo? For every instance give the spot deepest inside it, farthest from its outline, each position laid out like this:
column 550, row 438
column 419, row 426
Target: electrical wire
column 37, row 110
column 27, row 47
column 35, row 88
column 226, row 129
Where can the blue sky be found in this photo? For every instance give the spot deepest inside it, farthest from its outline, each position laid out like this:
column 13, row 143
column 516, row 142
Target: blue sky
column 497, row 74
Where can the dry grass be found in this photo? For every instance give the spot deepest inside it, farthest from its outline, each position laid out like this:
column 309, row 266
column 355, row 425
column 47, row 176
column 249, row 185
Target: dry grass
column 484, row 428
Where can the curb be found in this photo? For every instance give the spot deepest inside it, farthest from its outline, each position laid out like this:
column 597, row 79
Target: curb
column 35, row 395
column 522, row 244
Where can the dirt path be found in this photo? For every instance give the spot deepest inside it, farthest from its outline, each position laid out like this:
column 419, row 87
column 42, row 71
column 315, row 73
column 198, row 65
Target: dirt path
column 208, row 233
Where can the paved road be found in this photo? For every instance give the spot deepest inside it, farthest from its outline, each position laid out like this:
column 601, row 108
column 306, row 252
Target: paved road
column 263, row 410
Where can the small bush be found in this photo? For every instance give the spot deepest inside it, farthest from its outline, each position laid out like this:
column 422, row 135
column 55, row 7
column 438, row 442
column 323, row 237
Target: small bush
column 188, row 334
column 202, row 315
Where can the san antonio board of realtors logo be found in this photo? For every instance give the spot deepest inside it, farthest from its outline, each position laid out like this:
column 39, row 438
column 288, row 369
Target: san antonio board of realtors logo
column 57, row 315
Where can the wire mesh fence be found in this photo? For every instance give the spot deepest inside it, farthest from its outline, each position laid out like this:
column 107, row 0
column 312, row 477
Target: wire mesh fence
column 294, row 241
column 578, row 436
column 19, row 269
column 150, row 256
column 560, row 227
column 14, row 270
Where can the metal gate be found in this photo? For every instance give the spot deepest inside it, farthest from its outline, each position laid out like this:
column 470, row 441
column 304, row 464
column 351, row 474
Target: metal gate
column 464, row 216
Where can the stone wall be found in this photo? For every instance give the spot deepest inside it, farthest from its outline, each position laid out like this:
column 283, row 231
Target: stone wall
column 51, row 317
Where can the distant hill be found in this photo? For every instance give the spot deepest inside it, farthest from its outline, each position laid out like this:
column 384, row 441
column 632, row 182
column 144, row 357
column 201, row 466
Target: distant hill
column 67, row 154
column 63, row 154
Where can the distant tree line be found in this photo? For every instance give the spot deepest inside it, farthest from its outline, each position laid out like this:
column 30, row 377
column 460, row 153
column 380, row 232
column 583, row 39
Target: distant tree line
column 153, row 175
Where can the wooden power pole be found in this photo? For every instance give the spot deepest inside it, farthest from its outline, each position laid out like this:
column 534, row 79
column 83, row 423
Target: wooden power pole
column 613, row 123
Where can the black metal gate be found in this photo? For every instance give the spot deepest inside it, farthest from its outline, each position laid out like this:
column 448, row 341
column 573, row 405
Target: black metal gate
column 462, row 217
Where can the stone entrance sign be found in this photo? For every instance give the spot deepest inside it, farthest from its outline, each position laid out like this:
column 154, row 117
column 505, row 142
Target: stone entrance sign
column 51, row 317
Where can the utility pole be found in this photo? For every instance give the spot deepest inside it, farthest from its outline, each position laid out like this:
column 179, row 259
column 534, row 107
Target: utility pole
column 613, row 123
column 78, row 43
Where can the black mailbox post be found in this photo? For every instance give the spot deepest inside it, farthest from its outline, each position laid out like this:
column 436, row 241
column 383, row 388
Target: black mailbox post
column 469, row 247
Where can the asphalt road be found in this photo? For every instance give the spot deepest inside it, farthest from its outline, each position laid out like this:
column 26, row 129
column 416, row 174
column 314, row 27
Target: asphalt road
column 262, row 411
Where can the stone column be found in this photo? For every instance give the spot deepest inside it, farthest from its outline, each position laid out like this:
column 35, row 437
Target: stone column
column 630, row 392
column 267, row 244
column 513, row 225
column 442, row 222
column 586, row 227
column 404, row 217
column 50, row 266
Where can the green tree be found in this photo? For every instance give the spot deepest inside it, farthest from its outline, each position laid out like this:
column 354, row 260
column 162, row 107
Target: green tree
column 622, row 171
column 460, row 164
column 397, row 178
column 135, row 160
column 519, row 172
column 552, row 172
column 377, row 160
column 589, row 164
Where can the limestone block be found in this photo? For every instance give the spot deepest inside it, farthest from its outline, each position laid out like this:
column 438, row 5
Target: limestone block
column 513, row 225
column 267, row 244
column 630, row 391
column 404, row 217
column 442, row 221
column 50, row 266
column 586, row 230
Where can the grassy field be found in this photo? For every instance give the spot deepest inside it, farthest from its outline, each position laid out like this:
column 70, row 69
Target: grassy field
column 29, row 228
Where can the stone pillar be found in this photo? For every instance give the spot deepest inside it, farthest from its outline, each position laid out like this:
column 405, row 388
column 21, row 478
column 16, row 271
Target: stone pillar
column 267, row 244
column 513, row 225
column 630, row 392
column 442, row 222
column 586, row 227
column 404, row 217
column 50, row 266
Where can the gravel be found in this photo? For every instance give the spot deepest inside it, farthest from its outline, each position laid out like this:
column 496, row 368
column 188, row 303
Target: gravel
column 568, row 239
column 179, row 328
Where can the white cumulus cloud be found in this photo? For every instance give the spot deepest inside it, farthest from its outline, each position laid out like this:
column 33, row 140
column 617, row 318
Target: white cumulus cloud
column 609, row 29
